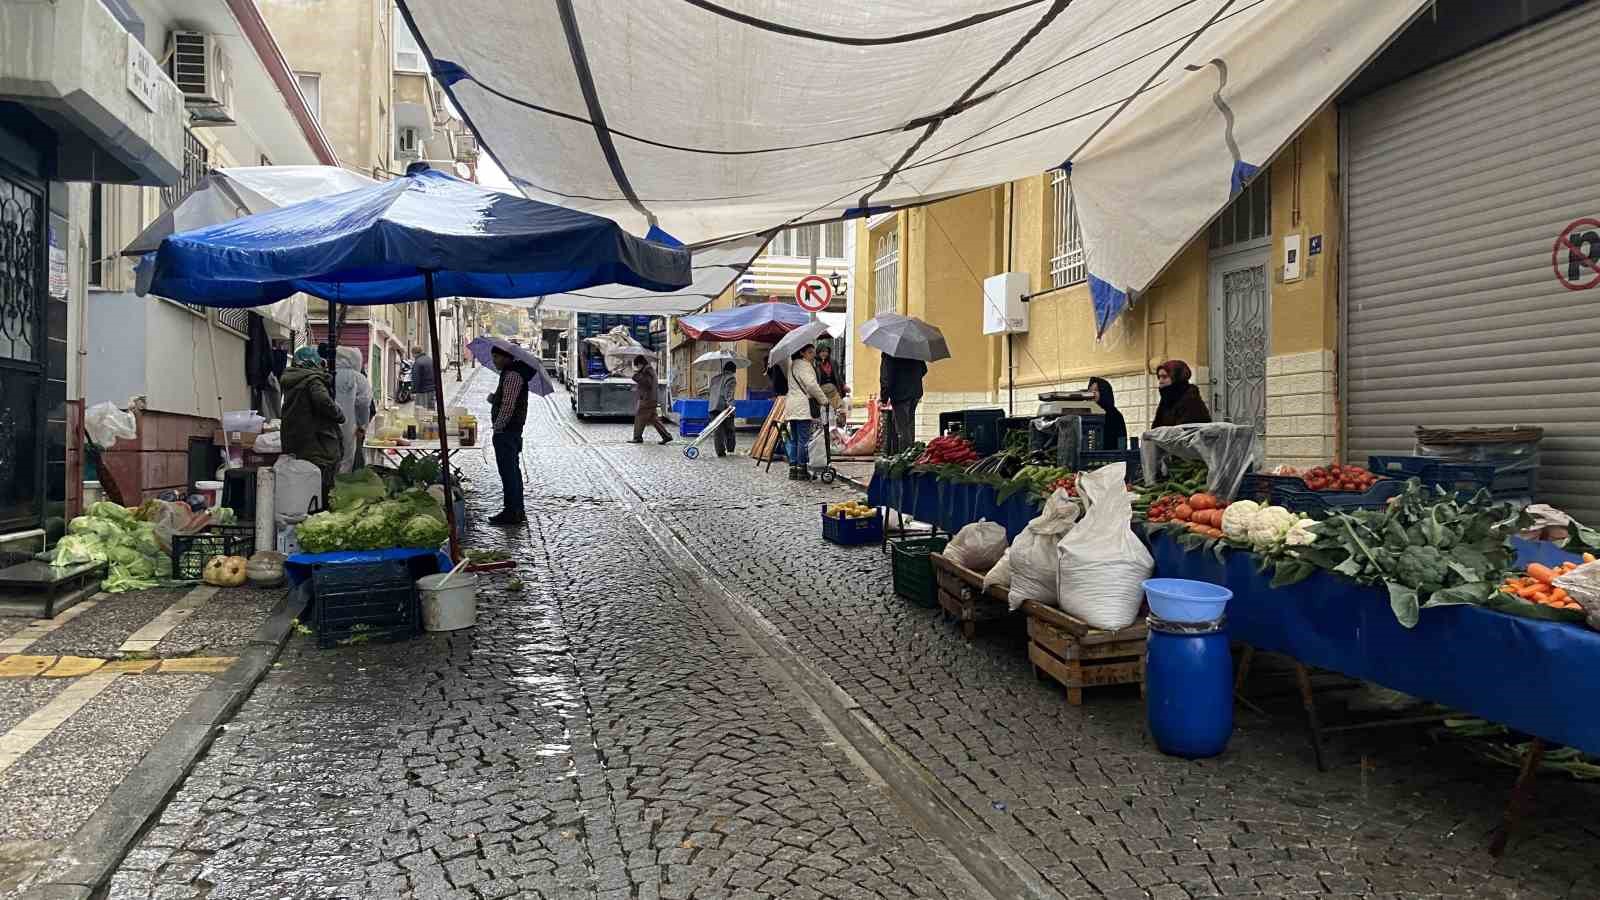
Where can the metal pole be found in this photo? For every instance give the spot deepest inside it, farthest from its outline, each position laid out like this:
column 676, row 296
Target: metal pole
column 444, row 438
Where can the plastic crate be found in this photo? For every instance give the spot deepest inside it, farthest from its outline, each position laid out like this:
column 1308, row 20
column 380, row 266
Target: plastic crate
column 1304, row 500
column 693, row 409
column 1463, row 478
column 190, row 552
column 980, row 426
column 1013, row 424
column 362, row 602
column 754, row 408
column 1261, row 486
column 1089, row 460
column 691, row 427
column 848, row 532
column 913, row 569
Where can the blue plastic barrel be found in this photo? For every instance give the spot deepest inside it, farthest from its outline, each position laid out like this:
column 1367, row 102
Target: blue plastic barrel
column 1188, row 686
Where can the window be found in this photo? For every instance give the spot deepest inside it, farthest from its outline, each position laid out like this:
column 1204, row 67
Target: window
column 406, row 143
column 1066, row 258
column 407, row 53
column 824, row 241
column 886, row 270
column 97, row 235
column 1248, row 218
column 237, row 320
column 196, row 162
column 311, row 90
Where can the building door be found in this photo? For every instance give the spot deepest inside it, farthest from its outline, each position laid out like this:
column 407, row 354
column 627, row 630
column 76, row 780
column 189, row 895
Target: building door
column 1240, row 296
column 23, row 284
column 1470, row 281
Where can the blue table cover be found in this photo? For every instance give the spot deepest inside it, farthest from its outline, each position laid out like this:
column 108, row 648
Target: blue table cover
column 298, row 566
column 1534, row 676
column 948, row 505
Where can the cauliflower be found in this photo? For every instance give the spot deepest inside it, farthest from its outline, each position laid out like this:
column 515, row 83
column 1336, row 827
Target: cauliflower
column 1302, row 534
column 1237, row 517
column 1268, row 527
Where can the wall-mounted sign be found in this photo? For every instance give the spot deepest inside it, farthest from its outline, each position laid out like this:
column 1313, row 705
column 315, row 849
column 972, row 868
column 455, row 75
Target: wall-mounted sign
column 144, row 74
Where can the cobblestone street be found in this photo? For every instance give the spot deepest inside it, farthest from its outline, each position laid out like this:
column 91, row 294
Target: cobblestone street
column 687, row 693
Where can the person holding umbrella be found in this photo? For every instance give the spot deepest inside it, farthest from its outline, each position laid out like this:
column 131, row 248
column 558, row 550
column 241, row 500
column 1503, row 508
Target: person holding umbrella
column 802, row 406
column 908, row 345
column 508, row 411
column 644, row 413
column 720, row 394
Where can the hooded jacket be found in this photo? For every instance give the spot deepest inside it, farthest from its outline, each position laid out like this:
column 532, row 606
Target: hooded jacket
column 352, row 393
column 1181, row 403
column 311, row 419
column 1116, row 425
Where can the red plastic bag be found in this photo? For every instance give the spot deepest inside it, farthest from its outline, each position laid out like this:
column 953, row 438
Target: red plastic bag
column 865, row 441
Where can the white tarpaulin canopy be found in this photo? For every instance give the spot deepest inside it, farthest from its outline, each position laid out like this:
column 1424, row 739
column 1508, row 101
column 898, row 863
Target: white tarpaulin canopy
column 715, row 118
column 713, row 266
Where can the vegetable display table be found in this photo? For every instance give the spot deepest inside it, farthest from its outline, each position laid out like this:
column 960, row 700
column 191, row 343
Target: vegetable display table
column 963, row 598
column 1078, row 656
column 383, row 454
column 1467, row 658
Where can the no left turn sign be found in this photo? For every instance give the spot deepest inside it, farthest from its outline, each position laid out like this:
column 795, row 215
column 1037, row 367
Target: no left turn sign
column 1576, row 255
column 813, row 293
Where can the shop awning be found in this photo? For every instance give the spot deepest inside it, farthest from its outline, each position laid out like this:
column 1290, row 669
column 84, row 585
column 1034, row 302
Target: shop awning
column 724, row 117
column 764, row 322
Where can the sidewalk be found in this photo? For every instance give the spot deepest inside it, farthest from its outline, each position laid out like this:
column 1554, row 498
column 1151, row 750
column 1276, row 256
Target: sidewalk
column 104, row 708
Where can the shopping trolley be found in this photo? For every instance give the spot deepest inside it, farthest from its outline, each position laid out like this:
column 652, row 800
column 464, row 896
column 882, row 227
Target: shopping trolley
column 693, row 450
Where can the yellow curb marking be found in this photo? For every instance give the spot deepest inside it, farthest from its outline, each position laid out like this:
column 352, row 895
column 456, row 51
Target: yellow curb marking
column 72, row 667
column 130, row 666
column 15, row 743
column 145, row 639
column 197, row 665
column 24, row 666
column 25, row 638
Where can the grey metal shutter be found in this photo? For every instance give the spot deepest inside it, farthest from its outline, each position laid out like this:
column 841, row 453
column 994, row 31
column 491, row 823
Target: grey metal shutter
column 1458, row 183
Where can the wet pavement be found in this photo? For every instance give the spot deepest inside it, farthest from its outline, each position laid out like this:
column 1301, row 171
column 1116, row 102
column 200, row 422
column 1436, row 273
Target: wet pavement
column 684, row 692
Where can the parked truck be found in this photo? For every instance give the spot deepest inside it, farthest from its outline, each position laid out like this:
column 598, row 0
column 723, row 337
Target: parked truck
column 595, row 391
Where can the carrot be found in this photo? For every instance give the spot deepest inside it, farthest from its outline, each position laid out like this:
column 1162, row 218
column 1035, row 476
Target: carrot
column 1558, row 595
column 1527, row 593
column 1542, row 572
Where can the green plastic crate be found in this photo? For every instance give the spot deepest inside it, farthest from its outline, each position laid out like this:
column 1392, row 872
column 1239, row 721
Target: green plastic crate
column 913, row 570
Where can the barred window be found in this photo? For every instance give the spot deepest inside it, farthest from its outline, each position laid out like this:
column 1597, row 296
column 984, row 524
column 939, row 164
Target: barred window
column 1247, row 218
column 886, row 270
column 1066, row 258
column 235, row 320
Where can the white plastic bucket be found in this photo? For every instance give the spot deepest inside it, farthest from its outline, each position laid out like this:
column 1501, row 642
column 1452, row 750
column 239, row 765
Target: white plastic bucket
column 211, row 490
column 454, row 607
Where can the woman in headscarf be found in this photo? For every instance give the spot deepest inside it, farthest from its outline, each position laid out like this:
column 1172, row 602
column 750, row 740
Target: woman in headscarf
column 1180, row 400
column 353, row 394
column 1116, row 426
column 311, row 418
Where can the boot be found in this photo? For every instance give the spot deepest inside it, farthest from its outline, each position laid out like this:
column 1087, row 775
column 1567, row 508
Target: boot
column 797, row 473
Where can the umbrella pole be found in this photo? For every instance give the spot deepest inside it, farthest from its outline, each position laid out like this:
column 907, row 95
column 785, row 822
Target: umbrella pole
column 444, row 438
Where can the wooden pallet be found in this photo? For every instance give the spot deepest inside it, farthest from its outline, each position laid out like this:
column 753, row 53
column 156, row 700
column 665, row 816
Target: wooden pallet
column 771, row 429
column 963, row 598
column 1078, row 656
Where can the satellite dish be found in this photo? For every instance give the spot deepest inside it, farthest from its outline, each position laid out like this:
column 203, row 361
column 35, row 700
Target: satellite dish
column 463, row 170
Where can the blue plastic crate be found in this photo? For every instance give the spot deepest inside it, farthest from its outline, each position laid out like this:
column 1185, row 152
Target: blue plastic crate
column 692, row 409
column 1304, row 500
column 1465, row 479
column 1089, row 460
column 852, row 532
column 754, row 408
column 690, row 427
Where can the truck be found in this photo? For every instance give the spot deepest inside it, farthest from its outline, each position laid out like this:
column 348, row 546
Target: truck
column 596, row 392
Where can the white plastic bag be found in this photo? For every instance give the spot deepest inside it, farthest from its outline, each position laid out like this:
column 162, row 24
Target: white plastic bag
column 269, row 442
column 296, row 488
column 1032, row 556
column 1103, row 565
column 1583, row 586
column 817, row 448
column 1000, row 575
column 106, row 424
column 977, row 546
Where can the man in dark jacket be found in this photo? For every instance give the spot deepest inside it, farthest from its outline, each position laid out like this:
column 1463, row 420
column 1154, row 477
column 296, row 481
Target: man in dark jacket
column 311, row 418
column 900, row 380
column 644, row 411
column 508, row 408
column 423, row 376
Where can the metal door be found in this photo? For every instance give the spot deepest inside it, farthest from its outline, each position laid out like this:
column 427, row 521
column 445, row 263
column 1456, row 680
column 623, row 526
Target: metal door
column 22, row 371
column 1240, row 297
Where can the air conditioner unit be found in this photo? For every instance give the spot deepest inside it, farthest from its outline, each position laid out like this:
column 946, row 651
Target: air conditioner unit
column 199, row 67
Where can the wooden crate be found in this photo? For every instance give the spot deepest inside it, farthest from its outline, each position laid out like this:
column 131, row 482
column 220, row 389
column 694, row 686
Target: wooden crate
column 1078, row 656
column 962, row 596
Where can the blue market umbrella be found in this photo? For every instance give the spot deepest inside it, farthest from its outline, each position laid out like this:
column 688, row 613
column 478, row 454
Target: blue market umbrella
column 412, row 238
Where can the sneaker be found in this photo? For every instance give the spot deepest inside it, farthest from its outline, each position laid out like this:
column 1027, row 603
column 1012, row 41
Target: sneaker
column 506, row 518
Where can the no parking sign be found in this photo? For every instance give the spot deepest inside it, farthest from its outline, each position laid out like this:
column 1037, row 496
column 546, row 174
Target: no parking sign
column 813, row 293
column 1580, row 270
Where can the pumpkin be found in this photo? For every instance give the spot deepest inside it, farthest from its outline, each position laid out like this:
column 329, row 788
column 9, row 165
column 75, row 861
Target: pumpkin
column 224, row 571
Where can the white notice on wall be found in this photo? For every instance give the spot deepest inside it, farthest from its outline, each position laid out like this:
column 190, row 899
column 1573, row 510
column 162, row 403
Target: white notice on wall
column 143, row 74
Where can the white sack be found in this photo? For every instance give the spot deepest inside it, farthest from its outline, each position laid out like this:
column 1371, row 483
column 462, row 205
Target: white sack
column 1103, row 564
column 1583, row 586
column 1000, row 575
column 296, row 488
column 977, row 546
column 1033, row 553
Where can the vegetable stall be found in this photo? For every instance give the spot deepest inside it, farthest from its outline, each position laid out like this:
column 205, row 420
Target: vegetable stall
column 1412, row 584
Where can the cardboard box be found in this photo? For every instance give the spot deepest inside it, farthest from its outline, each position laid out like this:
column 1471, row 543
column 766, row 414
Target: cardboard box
column 245, row 439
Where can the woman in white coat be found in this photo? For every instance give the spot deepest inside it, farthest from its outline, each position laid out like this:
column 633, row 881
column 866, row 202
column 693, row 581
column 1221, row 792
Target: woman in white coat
column 353, row 394
column 804, row 391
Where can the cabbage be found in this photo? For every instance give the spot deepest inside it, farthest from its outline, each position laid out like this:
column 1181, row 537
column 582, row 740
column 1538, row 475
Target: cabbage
column 120, row 580
column 100, row 529
column 116, row 512
column 75, row 549
column 420, row 502
column 424, row 531
column 123, row 556
column 144, row 540
column 323, row 532
column 356, row 487
column 372, row 532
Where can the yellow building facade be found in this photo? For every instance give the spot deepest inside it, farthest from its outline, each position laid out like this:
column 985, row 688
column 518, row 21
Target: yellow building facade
column 1229, row 288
